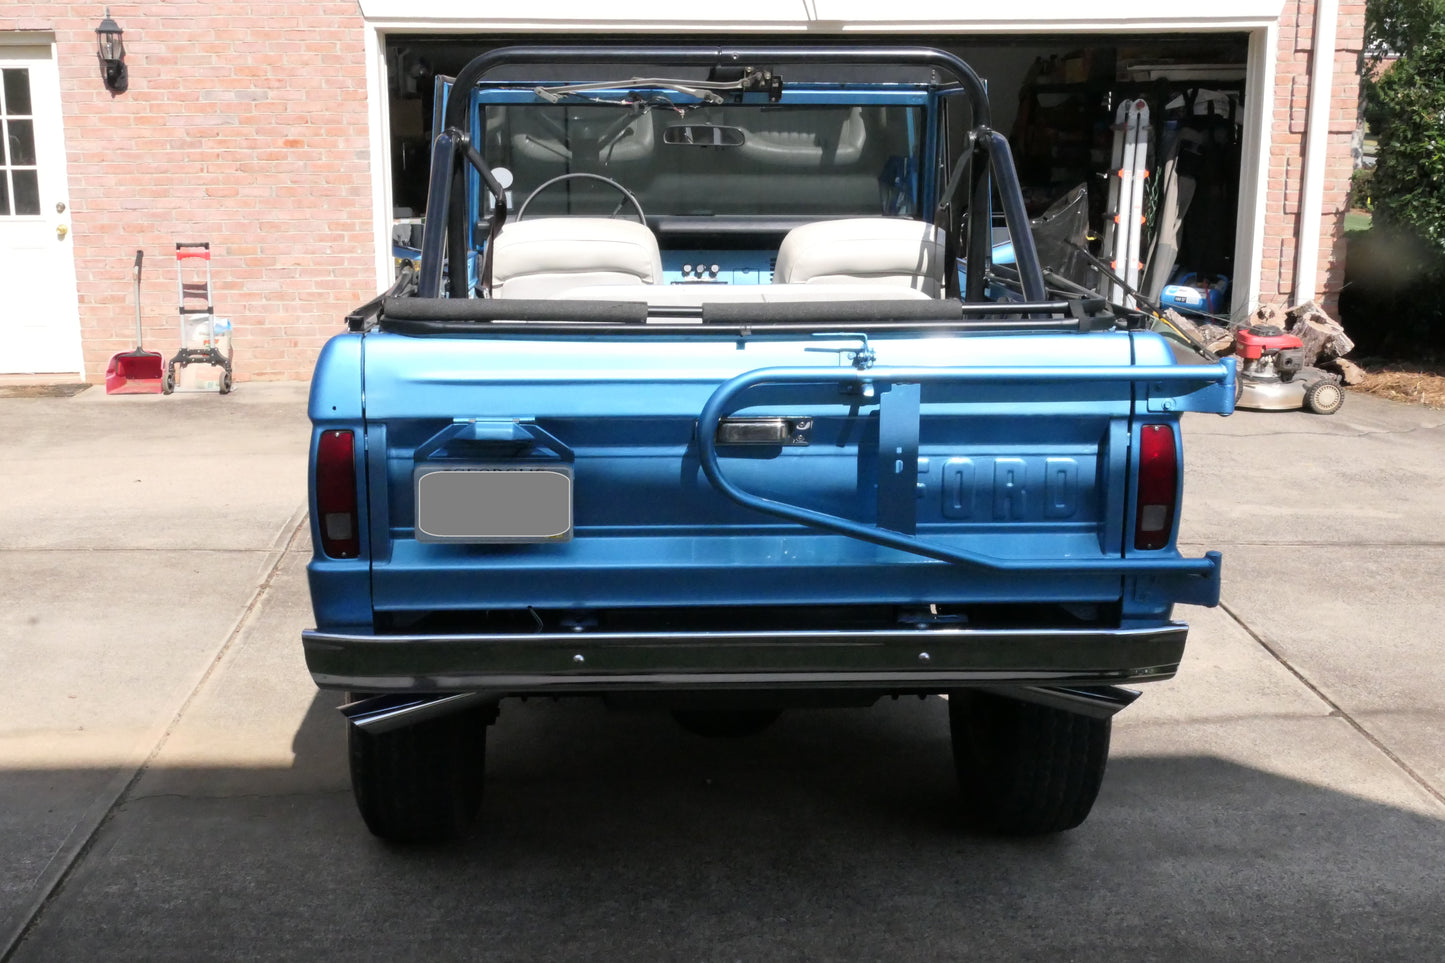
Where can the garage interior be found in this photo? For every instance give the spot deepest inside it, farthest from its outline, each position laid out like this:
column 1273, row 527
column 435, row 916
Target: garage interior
column 1056, row 97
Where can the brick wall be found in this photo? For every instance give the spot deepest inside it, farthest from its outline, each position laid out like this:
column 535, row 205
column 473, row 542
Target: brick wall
column 1287, row 147
column 245, row 125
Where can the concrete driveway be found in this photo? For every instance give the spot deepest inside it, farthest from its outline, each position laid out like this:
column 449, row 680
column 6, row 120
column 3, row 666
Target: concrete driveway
column 173, row 788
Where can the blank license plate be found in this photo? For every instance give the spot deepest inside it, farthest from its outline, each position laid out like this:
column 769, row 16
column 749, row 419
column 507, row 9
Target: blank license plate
column 490, row 505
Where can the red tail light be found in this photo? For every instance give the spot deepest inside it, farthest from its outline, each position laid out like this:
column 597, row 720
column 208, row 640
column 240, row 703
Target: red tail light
column 1158, row 487
column 336, row 494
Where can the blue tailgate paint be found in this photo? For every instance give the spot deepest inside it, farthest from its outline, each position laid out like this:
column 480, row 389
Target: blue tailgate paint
column 1013, row 471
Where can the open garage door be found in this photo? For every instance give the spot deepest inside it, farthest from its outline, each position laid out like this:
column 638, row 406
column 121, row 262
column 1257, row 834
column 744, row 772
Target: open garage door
column 1057, row 97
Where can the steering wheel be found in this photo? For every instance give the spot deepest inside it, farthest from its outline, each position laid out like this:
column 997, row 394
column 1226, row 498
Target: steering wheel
column 627, row 196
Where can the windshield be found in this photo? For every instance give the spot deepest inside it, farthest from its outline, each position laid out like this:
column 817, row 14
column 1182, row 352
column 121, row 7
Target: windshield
column 708, row 159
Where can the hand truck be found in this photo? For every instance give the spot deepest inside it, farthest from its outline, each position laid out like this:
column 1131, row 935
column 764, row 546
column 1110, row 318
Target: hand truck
column 196, row 309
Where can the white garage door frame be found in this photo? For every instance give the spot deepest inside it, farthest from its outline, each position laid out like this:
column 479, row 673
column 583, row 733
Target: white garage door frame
column 1258, row 19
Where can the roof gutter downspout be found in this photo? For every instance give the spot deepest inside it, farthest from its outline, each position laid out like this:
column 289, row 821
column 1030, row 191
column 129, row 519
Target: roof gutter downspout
column 1317, row 134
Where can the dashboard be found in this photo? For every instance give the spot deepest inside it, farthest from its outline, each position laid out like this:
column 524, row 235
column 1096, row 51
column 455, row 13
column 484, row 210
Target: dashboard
column 717, row 267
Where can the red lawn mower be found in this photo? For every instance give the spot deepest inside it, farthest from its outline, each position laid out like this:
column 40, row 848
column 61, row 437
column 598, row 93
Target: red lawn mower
column 1273, row 375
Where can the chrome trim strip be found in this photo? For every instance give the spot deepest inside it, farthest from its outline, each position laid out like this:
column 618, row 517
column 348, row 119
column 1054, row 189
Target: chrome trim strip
column 822, row 636
column 933, row 659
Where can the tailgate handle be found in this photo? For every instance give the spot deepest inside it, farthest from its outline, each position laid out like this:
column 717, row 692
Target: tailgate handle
column 788, row 432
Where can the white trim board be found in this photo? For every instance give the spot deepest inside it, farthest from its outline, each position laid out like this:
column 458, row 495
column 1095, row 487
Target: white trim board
column 380, row 124
column 839, row 16
column 1254, row 168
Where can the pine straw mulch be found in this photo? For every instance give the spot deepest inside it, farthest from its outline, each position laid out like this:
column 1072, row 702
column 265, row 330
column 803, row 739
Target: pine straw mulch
column 1414, row 382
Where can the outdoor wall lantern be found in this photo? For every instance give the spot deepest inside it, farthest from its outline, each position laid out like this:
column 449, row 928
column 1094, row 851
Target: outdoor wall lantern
column 111, row 51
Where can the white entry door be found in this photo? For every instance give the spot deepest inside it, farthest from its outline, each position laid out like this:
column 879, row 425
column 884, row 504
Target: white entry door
column 39, row 315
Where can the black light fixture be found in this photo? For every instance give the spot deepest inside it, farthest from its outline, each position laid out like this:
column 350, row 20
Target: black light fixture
column 111, row 51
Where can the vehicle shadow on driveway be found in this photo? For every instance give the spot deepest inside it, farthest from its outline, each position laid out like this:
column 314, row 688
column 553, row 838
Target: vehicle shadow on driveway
column 615, row 835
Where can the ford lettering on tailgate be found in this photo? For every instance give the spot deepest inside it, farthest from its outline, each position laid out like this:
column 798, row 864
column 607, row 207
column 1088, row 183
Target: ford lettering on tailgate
column 1010, row 488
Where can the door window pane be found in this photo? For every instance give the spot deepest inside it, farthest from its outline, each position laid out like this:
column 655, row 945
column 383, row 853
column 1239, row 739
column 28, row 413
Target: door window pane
column 19, row 176
column 17, row 90
column 27, row 192
column 22, row 141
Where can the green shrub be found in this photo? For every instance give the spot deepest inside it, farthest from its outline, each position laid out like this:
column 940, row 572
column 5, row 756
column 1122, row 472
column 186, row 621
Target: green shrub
column 1393, row 301
column 1360, row 189
column 1408, row 185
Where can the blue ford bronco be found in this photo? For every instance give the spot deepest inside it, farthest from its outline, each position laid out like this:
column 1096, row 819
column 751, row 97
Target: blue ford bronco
column 706, row 395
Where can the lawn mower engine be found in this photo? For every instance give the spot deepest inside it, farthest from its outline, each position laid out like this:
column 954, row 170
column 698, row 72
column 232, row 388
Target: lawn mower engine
column 1274, row 377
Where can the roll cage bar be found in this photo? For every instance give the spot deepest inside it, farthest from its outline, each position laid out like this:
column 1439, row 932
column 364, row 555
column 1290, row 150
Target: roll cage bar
column 986, row 152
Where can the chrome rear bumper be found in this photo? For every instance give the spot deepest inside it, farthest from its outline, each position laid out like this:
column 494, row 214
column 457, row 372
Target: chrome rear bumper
column 885, row 659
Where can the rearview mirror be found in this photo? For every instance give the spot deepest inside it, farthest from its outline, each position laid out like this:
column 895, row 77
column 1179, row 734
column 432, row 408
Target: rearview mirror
column 703, row 135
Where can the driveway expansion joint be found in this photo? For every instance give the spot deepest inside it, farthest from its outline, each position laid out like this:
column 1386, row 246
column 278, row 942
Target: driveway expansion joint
column 1335, row 708
column 53, row 888
column 216, row 797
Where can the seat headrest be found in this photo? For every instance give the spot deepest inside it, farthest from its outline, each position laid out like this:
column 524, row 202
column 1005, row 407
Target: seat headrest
column 540, row 257
column 863, row 250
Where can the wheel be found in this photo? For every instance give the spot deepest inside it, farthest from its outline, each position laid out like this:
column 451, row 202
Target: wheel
column 226, row 383
column 627, row 196
column 168, row 382
column 725, row 723
column 421, row 783
column 1025, row 769
column 1324, row 397
column 1238, row 390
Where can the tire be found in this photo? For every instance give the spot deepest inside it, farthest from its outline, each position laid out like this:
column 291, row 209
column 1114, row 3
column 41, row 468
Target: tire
column 421, row 783
column 725, row 723
column 225, row 383
column 1324, row 397
column 1025, row 769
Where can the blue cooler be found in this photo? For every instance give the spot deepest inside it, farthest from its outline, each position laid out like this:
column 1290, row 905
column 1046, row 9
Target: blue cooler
column 1208, row 294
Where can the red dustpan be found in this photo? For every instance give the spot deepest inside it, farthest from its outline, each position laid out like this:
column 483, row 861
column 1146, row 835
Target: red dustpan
column 138, row 372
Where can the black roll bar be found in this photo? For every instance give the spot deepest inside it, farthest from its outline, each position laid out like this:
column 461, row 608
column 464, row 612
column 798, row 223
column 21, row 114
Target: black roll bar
column 445, row 190
column 705, row 56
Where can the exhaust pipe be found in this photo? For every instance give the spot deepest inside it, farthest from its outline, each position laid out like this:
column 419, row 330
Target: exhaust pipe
column 1097, row 702
column 385, row 713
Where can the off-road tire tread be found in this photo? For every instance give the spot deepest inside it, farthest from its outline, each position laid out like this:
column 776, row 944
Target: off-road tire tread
column 1026, row 769
column 422, row 783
